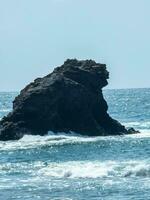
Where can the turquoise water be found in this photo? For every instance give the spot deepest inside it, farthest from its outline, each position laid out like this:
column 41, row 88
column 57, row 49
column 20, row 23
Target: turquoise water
column 74, row 167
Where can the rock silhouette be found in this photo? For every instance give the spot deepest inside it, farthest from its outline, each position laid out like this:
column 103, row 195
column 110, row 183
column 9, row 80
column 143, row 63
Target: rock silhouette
column 68, row 99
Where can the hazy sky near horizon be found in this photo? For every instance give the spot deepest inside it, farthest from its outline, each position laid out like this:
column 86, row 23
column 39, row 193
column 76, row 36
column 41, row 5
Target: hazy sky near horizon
column 36, row 35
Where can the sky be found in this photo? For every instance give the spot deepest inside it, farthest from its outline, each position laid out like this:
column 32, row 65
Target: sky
column 38, row 35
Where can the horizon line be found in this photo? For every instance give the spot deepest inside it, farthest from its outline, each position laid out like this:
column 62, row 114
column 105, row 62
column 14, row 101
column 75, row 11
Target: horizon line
column 102, row 88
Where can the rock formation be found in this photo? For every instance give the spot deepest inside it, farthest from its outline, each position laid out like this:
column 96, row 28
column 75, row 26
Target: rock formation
column 68, row 99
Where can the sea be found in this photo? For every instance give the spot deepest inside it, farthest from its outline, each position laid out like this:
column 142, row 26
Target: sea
column 73, row 167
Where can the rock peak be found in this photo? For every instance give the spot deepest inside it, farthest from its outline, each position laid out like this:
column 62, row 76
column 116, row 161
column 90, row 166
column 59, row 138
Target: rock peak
column 82, row 64
column 86, row 72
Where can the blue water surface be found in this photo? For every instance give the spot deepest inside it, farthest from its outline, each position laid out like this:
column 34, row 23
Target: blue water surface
column 62, row 167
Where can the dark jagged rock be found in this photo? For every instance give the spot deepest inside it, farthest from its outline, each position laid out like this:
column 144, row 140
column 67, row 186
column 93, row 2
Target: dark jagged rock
column 68, row 99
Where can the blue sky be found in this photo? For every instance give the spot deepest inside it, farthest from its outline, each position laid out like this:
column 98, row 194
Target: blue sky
column 36, row 35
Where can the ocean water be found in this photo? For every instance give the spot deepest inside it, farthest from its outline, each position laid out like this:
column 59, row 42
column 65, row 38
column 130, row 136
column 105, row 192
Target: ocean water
column 62, row 167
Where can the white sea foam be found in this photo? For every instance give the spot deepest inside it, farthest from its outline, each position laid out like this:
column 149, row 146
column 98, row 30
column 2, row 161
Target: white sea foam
column 142, row 134
column 30, row 141
column 96, row 169
column 77, row 169
column 80, row 169
column 61, row 174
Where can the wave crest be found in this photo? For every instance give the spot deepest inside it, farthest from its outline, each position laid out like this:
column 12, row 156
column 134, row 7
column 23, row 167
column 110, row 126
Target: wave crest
column 110, row 169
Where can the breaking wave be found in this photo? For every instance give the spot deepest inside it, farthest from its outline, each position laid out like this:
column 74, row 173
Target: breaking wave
column 80, row 169
column 30, row 141
column 97, row 169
